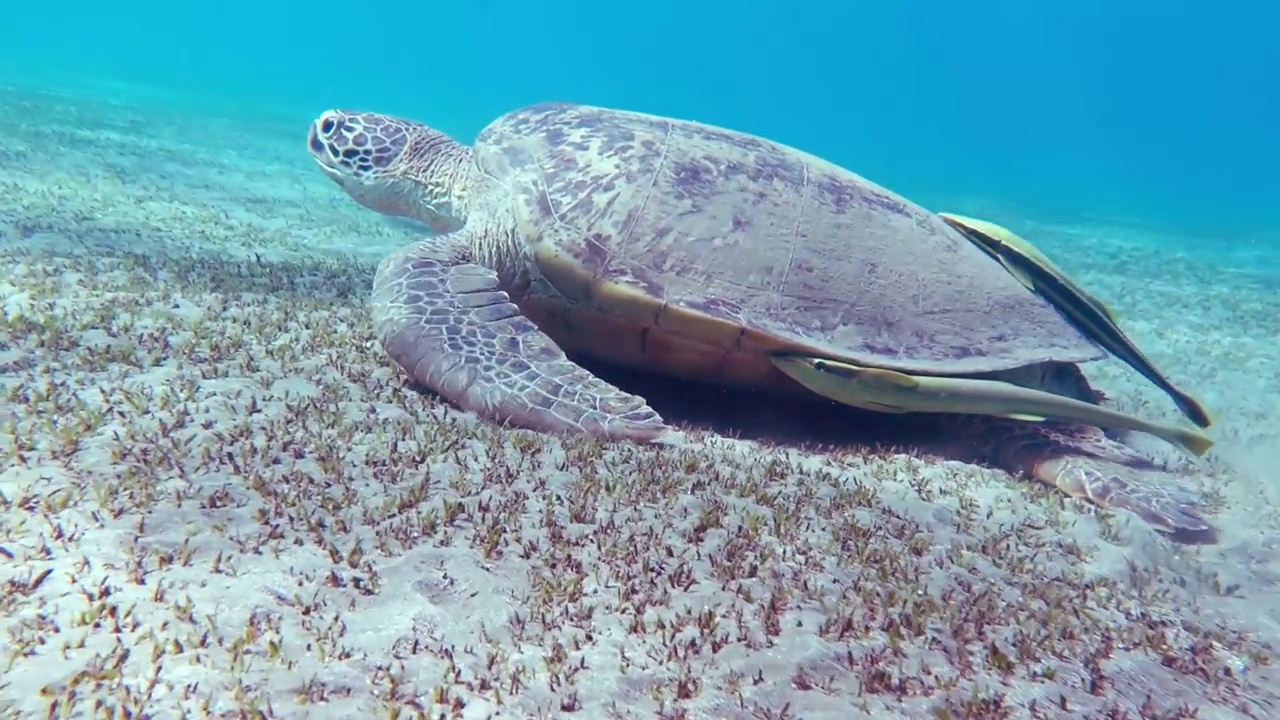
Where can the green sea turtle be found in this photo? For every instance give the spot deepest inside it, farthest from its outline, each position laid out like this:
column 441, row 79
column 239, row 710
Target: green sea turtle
column 712, row 255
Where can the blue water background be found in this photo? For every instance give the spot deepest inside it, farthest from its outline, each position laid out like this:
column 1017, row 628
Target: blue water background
column 1162, row 113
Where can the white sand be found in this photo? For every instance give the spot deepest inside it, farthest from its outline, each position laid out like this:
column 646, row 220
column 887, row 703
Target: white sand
column 216, row 497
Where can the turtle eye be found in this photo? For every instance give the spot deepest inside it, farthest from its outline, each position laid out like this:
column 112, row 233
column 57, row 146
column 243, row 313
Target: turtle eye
column 327, row 125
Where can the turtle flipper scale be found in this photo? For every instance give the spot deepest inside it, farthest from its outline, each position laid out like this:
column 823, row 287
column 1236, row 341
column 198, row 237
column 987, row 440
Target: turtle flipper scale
column 1160, row 500
column 1083, row 462
column 448, row 323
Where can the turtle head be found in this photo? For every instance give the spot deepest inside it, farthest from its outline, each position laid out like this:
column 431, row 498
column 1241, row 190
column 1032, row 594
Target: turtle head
column 394, row 166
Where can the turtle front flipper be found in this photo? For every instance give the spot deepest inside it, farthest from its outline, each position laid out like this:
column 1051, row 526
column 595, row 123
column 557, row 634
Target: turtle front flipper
column 446, row 320
column 1082, row 462
column 892, row 391
column 1025, row 262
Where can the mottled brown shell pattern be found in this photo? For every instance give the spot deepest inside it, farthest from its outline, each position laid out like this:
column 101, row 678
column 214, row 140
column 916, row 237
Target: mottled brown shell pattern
column 758, row 238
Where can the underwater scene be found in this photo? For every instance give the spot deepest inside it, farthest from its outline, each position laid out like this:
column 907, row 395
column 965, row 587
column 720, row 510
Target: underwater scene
column 668, row 360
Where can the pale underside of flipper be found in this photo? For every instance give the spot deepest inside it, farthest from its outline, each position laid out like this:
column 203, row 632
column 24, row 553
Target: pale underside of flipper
column 1027, row 263
column 885, row 390
column 448, row 323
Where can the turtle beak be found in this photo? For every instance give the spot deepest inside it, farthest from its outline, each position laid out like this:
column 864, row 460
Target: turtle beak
column 314, row 143
column 322, row 150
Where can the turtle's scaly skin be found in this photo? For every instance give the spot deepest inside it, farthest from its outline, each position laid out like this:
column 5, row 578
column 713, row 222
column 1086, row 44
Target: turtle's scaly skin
column 474, row 347
column 371, row 150
column 1083, row 463
column 695, row 252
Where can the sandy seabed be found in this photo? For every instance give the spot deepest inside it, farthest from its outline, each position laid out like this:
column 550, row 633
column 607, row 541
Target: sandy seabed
column 219, row 499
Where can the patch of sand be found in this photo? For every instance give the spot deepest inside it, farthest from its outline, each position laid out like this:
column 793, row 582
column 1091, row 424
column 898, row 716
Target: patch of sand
column 217, row 498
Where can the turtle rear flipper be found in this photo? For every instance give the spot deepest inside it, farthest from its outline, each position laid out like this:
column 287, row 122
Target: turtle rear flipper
column 448, row 322
column 1082, row 462
column 1154, row 496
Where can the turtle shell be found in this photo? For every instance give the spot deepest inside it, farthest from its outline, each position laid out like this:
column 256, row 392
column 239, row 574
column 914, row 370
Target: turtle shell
column 751, row 244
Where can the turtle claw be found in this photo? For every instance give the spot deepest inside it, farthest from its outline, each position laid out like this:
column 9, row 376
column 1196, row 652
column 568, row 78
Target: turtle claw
column 1206, row 536
column 642, row 424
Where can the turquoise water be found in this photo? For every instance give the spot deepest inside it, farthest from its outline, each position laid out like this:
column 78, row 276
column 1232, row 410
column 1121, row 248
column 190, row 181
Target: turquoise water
column 1161, row 113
